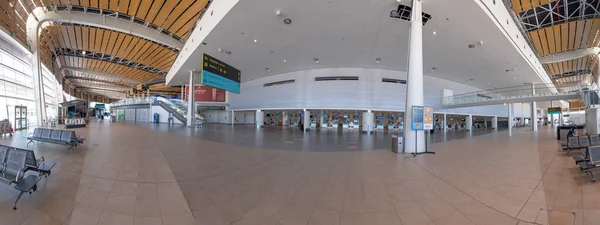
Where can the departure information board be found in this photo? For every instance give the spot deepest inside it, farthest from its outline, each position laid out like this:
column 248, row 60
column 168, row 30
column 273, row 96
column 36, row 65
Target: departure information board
column 555, row 110
column 218, row 74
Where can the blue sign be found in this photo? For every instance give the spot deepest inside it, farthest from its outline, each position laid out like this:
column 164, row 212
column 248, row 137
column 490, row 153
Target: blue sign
column 417, row 118
column 216, row 81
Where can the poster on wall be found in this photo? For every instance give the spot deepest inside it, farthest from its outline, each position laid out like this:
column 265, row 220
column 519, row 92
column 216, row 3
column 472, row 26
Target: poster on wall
column 417, row 117
column 427, row 118
column 204, row 93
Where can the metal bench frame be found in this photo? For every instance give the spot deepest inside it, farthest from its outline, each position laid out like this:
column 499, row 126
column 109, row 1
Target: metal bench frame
column 591, row 162
column 51, row 136
column 14, row 170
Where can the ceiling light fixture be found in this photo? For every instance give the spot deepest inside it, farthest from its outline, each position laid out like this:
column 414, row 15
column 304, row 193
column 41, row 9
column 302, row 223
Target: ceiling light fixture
column 255, row 40
column 278, row 12
column 377, row 60
column 434, row 32
column 268, row 69
column 284, row 60
column 287, row 21
column 316, row 60
column 83, row 52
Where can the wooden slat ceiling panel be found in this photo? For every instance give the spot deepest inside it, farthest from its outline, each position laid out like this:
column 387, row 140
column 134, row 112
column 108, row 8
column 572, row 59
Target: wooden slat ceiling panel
column 116, row 44
column 565, row 37
column 139, row 75
column 175, row 16
column 524, row 5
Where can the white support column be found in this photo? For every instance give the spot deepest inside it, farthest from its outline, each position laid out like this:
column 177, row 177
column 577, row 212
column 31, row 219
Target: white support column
column 321, row 119
column 190, row 112
column 469, row 123
column 510, row 119
column 534, row 122
column 306, row 120
column 260, row 119
column 182, row 92
column 285, row 118
column 495, row 123
column 38, row 87
column 445, row 124
column 414, row 140
column 368, row 122
column 232, row 117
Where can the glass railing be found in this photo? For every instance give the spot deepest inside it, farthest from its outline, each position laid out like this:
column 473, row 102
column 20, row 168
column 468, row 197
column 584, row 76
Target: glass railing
column 525, row 90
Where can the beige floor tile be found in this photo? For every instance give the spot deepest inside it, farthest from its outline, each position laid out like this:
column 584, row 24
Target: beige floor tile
column 293, row 215
column 38, row 218
column 383, row 218
column 173, row 204
column 147, row 221
column 122, row 204
column 58, row 207
column 455, row 218
column 147, row 206
column 85, row 215
column 414, row 215
column 475, row 211
column 95, row 198
column 324, row 217
column 124, row 188
column 182, row 219
column 109, row 218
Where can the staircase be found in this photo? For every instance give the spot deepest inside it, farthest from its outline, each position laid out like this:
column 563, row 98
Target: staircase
column 590, row 94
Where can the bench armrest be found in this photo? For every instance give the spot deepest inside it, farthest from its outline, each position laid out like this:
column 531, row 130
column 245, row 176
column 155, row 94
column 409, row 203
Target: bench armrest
column 40, row 161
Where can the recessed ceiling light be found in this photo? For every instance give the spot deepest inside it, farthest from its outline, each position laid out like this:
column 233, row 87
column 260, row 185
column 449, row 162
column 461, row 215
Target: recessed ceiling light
column 268, row 69
column 255, row 40
column 434, row 32
column 316, row 60
column 83, row 52
column 284, row 60
column 377, row 60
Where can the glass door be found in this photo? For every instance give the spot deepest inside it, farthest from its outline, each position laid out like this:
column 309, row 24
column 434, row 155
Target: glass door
column 20, row 117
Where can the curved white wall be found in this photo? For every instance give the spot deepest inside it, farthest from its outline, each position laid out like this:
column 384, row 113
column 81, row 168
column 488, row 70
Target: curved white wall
column 369, row 92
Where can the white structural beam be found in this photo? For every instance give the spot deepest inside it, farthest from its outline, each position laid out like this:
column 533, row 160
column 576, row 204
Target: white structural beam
column 39, row 16
column 576, row 54
column 564, row 56
column 112, row 87
column 96, row 73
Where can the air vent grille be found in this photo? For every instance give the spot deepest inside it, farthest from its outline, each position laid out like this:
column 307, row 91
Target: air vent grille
column 390, row 80
column 279, row 83
column 336, row 78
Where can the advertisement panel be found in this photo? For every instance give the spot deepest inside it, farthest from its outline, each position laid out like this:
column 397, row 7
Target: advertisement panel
column 427, row 118
column 204, row 93
column 417, row 118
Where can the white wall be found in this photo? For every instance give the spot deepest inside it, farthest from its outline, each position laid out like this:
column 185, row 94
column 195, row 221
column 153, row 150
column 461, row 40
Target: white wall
column 367, row 93
column 163, row 115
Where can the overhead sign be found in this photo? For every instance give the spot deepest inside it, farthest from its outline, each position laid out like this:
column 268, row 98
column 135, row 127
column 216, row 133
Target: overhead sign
column 427, row 118
column 218, row 74
column 204, row 93
column 417, row 118
column 555, row 110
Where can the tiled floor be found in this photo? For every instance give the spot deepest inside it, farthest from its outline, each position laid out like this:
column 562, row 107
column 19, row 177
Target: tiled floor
column 128, row 174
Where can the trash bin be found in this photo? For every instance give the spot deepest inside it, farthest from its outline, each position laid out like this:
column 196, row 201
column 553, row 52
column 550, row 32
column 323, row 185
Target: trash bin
column 397, row 144
column 155, row 120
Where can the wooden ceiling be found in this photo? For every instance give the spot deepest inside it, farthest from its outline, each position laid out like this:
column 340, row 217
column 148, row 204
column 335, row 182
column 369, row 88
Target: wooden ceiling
column 566, row 36
column 176, row 17
column 524, row 5
column 562, row 37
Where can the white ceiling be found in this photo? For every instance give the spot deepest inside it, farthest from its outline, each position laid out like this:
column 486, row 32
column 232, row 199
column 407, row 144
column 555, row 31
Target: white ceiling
column 353, row 33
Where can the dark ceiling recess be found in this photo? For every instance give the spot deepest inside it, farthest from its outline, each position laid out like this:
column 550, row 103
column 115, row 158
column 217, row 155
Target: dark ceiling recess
column 558, row 12
column 404, row 12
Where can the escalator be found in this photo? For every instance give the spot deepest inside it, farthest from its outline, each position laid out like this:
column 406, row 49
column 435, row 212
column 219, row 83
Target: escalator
column 590, row 94
column 177, row 108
